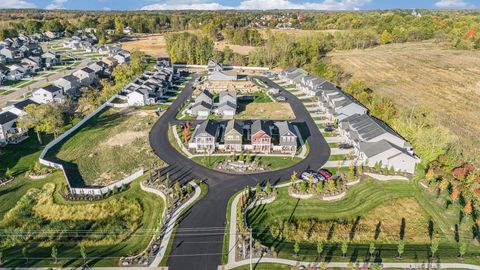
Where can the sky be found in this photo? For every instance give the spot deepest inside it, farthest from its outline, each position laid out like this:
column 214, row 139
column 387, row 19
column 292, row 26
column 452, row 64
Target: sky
column 240, row 4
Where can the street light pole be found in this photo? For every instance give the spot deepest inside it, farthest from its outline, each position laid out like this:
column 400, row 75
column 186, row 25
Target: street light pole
column 251, row 250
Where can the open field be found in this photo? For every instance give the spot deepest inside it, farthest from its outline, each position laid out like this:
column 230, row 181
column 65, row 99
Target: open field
column 447, row 81
column 109, row 147
column 362, row 217
column 153, row 45
column 267, row 111
column 295, row 32
column 242, row 50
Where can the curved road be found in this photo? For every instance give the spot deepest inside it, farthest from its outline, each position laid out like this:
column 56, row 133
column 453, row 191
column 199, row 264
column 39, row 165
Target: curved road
column 197, row 248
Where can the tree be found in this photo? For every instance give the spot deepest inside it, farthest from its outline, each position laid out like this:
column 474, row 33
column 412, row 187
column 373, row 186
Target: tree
column 55, row 254
column 391, row 170
column 24, row 253
column 296, row 248
column 258, row 189
column 177, row 189
column 434, row 248
column 468, row 208
column 268, row 188
column 119, row 26
column 319, row 248
column 351, row 172
column 344, row 248
column 293, row 177
column 462, row 249
column 400, row 248
column 371, row 249
column 9, row 173
column 83, row 253
column 1, row 257
column 454, row 195
column 46, row 118
column 386, row 37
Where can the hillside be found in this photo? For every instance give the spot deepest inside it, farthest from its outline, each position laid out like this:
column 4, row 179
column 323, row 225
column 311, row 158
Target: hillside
column 447, row 81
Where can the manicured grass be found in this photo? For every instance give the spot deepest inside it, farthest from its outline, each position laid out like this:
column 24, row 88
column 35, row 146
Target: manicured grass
column 366, row 204
column 6, row 92
column 336, row 157
column 109, row 147
column 333, row 145
column 265, row 266
column 27, row 83
column 14, row 83
column 275, row 163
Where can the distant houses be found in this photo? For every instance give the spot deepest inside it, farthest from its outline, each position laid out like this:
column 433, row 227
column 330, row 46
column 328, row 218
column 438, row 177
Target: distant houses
column 373, row 140
column 257, row 136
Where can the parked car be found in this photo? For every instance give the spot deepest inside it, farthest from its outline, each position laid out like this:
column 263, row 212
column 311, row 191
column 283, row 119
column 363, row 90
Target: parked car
column 312, row 175
column 329, row 129
column 345, row 146
column 281, row 98
column 324, row 173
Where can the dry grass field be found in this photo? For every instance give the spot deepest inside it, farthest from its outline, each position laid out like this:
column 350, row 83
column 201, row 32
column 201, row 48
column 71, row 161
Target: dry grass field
column 242, row 50
column 446, row 81
column 153, row 45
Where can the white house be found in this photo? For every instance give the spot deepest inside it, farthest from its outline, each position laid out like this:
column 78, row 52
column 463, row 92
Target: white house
column 48, row 94
column 9, row 131
column 70, row 84
column 139, row 97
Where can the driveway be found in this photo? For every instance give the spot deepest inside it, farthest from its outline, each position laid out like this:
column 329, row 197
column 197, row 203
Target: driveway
column 199, row 238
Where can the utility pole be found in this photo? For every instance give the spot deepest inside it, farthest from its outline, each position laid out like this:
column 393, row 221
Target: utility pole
column 251, row 249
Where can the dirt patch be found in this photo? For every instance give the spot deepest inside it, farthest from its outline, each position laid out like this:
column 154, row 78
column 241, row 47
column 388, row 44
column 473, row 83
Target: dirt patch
column 125, row 138
column 267, row 111
column 242, row 50
column 153, row 45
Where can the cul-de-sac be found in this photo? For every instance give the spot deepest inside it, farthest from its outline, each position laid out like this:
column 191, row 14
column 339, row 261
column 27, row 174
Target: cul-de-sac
column 223, row 134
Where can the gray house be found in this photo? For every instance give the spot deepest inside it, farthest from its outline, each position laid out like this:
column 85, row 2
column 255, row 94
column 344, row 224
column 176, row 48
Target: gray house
column 213, row 66
column 223, row 76
column 388, row 155
column 204, row 137
column 86, row 76
column 233, row 136
column 70, row 84
column 227, row 106
column 287, row 137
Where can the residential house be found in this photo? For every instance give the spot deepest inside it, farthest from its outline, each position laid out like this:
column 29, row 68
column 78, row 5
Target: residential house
column 110, row 61
column 227, row 106
column 213, row 66
column 18, row 108
column 11, row 53
column 15, row 75
column 9, row 131
column 204, row 137
column 97, row 68
column 388, row 155
column 34, row 63
column 261, row 137
column 86, row 76
column 70, row 85
column 140, row 97
column 203, row 105
column 128, row 30
column 233, row 136
column 287, row 137
column 222, row 76
column 50, row 58
column 48, row 94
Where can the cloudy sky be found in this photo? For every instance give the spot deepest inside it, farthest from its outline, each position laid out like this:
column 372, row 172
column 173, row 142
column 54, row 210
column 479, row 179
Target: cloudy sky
column 240, row 4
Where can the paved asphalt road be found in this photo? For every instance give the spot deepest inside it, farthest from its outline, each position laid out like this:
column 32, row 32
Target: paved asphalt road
column 198, row 242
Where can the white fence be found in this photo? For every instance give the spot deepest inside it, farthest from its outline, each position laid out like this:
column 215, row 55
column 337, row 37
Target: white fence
column 86, row 190
column 225, row 67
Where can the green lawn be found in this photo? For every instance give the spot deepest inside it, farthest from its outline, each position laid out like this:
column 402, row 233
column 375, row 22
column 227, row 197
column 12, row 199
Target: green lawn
column 336, row 157
column 14, row 83
column 109, row 147
column 6, row 92
column 354, row 217
column 275, row 163
column 333, row 145
column 68, row 249
column 265, row 266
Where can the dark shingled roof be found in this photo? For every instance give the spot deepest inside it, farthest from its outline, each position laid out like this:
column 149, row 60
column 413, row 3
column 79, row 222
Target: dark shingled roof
column 51, row 88
column 6, row 117
column 24, row 103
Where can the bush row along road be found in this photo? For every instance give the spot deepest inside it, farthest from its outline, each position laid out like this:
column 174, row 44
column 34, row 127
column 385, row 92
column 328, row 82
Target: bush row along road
column 197, row 248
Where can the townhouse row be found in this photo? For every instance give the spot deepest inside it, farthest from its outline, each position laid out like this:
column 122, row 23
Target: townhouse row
column 373, row 140
column 256, row 136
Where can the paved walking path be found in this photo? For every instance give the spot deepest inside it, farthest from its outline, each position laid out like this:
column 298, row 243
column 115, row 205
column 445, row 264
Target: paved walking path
column 338, row 151
column 404, row 265
column 336, row 139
